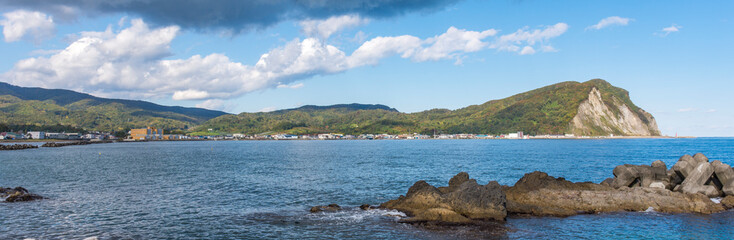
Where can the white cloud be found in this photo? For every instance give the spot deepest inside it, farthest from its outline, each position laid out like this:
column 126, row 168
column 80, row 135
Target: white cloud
column 292, row 86
column 687, row 110
column 610, row 21
column 211, row 104
column 267, row 109
column 134, row 62
column 668, row 30
column 527, row 50
column 452, row 42
column 25, row 25
column 329, row 26
column 711, row 110
column 512, row 42
column 190, row 94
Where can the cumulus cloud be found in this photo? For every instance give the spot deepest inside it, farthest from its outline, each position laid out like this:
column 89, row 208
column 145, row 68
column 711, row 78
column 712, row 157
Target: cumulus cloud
column 522, row 38
column 216, row 104
column 327, row 27
column 26, row 25
column 232, row 15
column 527, row 50
column 668, row 30
column 292, row 86
column 610, row 21
column 135, row 62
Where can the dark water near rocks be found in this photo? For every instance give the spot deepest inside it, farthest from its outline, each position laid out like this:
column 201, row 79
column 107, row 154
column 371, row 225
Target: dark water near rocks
column 263, row 189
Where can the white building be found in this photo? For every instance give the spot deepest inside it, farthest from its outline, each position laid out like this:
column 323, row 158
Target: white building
column 37, row 135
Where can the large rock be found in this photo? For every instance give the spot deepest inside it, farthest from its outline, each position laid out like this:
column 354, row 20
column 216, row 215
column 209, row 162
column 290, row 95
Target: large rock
column 697, row 179
column 538, row 194
column 725, row 177
column 18, row 194
column 728, row 202
column 628, row 175
column 699, row 158
column 685, row 164
column 462, row 200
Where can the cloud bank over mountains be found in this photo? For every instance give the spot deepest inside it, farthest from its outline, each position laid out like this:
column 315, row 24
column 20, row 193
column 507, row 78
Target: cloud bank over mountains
column 132, row 62
column 135, row 61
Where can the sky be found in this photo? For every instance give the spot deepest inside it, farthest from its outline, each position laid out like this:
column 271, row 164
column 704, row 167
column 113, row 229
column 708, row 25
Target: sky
column 674, row 57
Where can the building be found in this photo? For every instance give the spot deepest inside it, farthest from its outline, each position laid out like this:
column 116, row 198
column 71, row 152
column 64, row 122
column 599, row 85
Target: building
column 36, row 135
column 148, row 133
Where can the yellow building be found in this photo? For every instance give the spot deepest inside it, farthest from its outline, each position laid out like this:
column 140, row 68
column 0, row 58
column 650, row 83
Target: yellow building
column 148, row 133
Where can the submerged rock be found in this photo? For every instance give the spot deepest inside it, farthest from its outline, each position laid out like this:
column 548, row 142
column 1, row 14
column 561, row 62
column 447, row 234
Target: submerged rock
column 538, row 194
column 18, row 194
column 462, row 201
column 328, row 208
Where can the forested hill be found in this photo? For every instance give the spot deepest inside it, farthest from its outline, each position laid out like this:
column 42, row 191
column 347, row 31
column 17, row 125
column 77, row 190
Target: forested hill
column 593, row 107
column 51, row 107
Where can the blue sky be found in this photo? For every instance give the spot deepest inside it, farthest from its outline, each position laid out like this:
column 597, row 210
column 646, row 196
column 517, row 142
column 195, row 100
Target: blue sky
column 674, row 57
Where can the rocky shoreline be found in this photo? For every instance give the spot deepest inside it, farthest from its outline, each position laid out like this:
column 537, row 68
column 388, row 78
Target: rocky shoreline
column 64, row 144
column 687, row 187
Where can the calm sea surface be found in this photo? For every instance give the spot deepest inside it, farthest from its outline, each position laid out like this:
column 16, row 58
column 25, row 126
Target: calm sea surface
column 263, row 189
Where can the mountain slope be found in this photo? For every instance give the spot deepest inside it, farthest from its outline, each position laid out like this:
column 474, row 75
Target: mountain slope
column 38, row 106
column 594, row 107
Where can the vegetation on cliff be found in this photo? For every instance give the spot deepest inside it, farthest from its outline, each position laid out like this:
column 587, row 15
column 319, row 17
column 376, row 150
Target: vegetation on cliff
column 547, row 110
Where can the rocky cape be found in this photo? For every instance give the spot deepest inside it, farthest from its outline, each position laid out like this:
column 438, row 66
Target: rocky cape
column 688, row 187
column 591, row 108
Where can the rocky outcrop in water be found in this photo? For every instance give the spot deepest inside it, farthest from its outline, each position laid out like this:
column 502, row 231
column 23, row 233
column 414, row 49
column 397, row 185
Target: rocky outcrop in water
column 18, row 194
column 691, row 174
column 328, row 208
column 64, row 144
column 538, row 194
column 463, row 201
column 685, row 188
column 16, row 146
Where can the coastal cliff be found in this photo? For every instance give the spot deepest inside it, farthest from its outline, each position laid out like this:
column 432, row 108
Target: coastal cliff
column 598, row 116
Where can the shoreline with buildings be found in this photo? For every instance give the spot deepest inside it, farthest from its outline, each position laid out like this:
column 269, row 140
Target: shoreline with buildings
column 154, row 134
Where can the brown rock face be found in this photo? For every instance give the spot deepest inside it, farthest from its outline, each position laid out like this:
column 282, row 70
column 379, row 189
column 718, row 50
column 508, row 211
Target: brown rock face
column 728, row 202
column 538, row 194
column 462, row 201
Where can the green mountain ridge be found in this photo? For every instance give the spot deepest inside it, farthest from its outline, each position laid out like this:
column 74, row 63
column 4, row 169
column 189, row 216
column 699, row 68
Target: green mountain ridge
column 22, row 106
column 593, row 108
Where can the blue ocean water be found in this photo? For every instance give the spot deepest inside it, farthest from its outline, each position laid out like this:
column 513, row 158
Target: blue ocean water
column 263, row 189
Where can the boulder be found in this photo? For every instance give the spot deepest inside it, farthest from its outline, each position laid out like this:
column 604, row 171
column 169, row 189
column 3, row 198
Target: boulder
column 685, row 164
column 724, row 177
column 437, row 215
column 18, row 194
column 538, row 194
column 728, row 202
column 699, row 158
column 697, row 179
column 328, row 208
column 464, row 199
column 629, row 175
column 607, row 182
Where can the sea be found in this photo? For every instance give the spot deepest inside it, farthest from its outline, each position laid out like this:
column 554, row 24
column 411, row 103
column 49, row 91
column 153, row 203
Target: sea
column 264, row 189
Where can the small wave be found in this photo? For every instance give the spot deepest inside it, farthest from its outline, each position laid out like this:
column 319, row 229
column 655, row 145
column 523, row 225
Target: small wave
column 356, row 215
column 650, row 210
